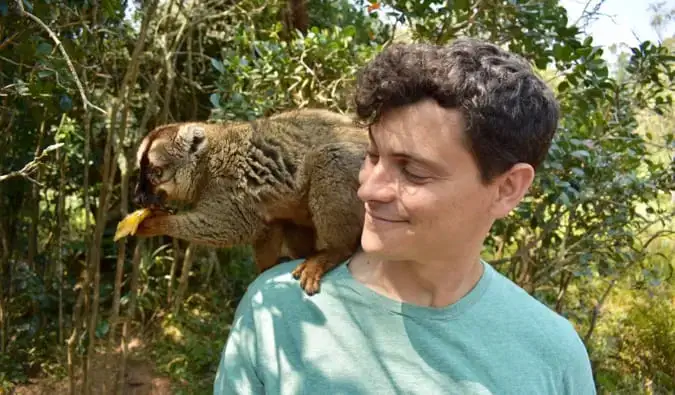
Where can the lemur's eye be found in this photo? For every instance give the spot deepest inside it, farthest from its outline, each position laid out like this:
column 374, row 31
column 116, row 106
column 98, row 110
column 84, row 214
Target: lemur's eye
column 155, row 174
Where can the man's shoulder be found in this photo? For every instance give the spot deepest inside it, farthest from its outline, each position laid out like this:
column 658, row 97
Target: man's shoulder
column 277, row 279
column 280, row 273
column 550, row 340
column 515, row 298
column 529, row 316
column 276, row 295
column 278, row 284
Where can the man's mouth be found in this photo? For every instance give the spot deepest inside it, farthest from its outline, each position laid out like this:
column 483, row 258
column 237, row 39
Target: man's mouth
column 384, row 219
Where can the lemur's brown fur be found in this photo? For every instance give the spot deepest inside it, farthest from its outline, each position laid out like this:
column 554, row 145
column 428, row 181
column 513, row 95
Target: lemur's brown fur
column 287, row 179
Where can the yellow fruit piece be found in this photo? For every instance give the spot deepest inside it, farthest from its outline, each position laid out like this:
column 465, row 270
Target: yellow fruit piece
column 129, row 224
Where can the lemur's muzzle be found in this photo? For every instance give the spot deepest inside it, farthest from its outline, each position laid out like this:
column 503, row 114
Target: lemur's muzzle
column 144, row 196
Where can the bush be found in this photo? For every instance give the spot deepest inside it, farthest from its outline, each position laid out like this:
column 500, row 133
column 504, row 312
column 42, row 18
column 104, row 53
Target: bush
column 637, row 349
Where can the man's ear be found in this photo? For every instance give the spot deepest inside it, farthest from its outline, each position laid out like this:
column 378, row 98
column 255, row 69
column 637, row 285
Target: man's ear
column 194, row 138
column 511, row 188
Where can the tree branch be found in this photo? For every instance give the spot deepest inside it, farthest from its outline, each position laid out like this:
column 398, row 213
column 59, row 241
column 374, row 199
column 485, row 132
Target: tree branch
column 56, row 40
column 596, row 311
column 31, row 166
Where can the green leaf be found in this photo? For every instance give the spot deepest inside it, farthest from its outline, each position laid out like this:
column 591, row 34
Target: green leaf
column 43, row 48
column 556, row 165
column 562, row 52
column 218, row 65
column 541, row 62
column 580, row 154
column 461, row 4
column 578, row 172
column 563, row 86
column 110, row 7
column 65, row 102
column 564, row 199
column 215, row 100
column 102, row 328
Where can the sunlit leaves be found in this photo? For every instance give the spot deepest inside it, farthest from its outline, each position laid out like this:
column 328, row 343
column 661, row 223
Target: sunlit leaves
column 262, row 74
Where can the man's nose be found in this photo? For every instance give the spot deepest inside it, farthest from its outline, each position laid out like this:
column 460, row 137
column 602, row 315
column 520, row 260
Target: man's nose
column 377, row 183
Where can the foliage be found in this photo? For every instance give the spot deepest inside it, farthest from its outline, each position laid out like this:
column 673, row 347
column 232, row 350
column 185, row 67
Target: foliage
column 647, row 343
column 313, row 70
column 190, row 344
column 635, row 347
column 583, row 241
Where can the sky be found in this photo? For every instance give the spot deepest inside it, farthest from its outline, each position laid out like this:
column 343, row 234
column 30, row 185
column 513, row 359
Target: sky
column 621, row 22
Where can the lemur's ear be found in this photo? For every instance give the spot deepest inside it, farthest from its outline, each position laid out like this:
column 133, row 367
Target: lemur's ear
column 193, row 137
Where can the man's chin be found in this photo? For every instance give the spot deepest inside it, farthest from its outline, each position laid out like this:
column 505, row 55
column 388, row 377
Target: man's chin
column 372, row 243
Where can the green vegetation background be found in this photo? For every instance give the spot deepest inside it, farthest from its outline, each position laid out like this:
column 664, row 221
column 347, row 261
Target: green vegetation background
column 593, row 240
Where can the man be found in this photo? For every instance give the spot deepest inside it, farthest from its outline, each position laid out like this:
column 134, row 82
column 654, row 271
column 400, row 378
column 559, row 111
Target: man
column 457, row 133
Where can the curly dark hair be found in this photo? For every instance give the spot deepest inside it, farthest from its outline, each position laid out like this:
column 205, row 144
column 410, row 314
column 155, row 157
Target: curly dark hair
column 510, row 113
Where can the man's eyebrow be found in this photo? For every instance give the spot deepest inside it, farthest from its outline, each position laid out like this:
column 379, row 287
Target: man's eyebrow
column 407, row 155
column 416, row 158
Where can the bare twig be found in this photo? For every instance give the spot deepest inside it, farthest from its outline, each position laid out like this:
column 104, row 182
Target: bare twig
column 31, row 166
column 9, row 40
column 585, row 14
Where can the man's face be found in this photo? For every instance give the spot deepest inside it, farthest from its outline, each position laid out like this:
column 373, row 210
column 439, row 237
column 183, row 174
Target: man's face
column 421, row 187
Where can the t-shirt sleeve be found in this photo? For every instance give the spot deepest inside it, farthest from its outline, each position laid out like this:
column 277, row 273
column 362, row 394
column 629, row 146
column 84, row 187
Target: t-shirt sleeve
column 578, row 374
column 238, row 371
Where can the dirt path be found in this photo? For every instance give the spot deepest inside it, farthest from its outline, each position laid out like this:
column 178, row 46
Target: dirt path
column 141, row 378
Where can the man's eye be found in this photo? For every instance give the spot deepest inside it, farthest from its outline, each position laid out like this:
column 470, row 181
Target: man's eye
column 415, row 178
column 412, row 176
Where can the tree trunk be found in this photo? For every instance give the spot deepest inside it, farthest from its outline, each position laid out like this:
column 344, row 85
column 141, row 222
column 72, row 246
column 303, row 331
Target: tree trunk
column 131, row 310
column 121, row 254
column 184, row 277
column 59, row 229
column 172, row 274
column 109, row 169
column 77, row 323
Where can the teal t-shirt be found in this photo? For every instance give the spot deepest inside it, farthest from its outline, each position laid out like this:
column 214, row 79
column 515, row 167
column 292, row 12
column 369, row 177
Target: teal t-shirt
column 349, row 339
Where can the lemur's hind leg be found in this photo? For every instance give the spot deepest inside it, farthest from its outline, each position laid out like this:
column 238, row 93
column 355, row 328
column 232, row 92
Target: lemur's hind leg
column 337, row 212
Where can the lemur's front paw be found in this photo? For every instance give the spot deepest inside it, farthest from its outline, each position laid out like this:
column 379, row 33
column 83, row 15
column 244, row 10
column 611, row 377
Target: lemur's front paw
column 309, row 273
column 155, row 225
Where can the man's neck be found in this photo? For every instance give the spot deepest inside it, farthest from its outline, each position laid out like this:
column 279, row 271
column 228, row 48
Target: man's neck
column 431, row 284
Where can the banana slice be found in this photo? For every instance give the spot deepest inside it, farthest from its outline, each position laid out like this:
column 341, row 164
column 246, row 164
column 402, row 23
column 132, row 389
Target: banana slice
column 129, row 224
